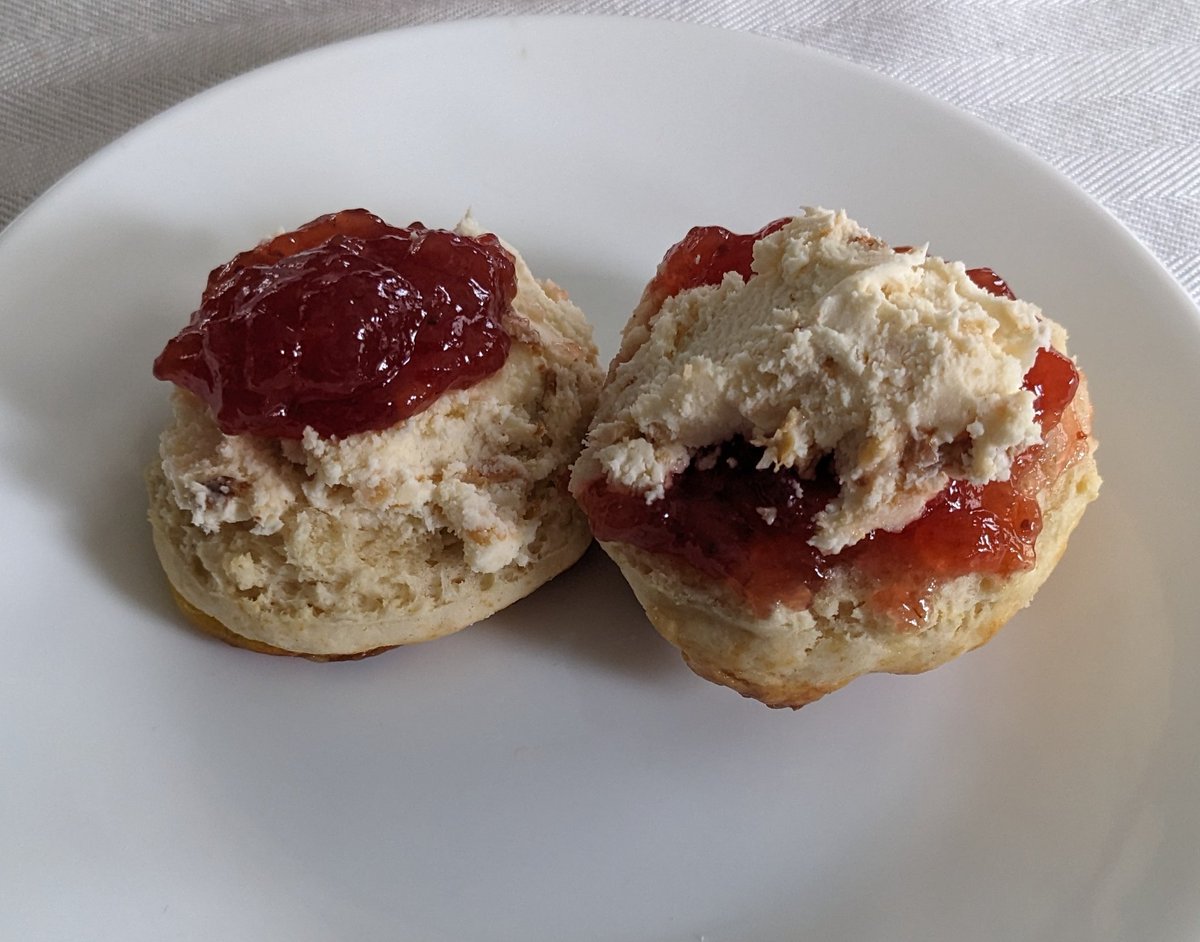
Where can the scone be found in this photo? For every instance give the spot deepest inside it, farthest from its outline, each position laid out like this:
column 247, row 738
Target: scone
column 373, row 430
column 817, row 456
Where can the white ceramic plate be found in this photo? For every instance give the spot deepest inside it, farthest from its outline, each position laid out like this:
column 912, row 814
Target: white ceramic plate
column 556, row 773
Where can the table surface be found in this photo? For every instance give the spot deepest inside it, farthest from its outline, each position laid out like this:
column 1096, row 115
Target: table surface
column 1108, row 93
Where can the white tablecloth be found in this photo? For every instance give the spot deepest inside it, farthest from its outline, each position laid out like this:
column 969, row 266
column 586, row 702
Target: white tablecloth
column 1107, row 92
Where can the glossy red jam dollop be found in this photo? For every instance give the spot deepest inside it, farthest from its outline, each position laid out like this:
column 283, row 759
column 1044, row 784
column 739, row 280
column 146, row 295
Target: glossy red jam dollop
column 749, row 527
column 346, row 325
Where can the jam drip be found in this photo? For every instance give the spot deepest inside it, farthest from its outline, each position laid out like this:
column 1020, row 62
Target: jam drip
column 346, row 325
column 749, row 527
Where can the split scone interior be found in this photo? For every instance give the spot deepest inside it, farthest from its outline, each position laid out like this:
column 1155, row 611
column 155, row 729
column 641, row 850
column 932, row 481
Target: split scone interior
column 818, row 456
column 286, row 526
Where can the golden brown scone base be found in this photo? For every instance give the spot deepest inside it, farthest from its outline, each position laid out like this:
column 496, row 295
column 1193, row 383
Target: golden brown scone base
column 211, row 626
column 795, row 657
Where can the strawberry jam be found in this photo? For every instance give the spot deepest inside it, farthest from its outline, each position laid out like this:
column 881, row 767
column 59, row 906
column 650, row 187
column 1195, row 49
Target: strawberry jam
column 703, row 257
column 989, row 281
column 346, row 325
column 750, row 527
column 729, row 520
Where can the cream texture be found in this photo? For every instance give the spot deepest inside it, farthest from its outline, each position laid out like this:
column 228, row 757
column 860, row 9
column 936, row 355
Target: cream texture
column 895, row 363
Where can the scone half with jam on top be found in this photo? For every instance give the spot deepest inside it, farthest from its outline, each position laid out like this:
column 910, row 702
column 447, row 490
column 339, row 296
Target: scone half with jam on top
column 372, row 435
column 817, row 456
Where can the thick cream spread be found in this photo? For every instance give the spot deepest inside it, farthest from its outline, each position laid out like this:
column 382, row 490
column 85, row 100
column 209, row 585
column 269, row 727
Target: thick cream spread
column 464, row 466
column 895, row 363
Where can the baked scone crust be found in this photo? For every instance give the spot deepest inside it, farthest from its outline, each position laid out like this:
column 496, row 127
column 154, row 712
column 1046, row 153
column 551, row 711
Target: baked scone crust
column 322, row 635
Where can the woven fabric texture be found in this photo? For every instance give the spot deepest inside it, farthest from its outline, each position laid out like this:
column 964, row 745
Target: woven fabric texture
column 1109, row 93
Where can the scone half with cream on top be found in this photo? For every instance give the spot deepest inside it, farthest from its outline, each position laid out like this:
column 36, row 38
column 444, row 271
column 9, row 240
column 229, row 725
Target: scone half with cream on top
column 818, row 456
column 372, row 435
